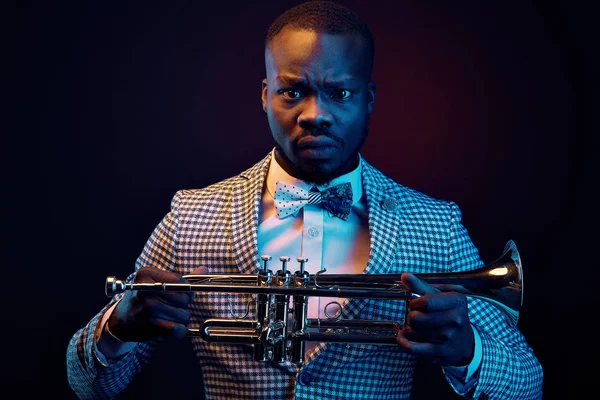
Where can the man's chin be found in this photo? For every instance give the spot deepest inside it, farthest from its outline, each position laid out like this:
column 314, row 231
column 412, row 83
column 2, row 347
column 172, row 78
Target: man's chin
column 318, row 153
column 315, row 171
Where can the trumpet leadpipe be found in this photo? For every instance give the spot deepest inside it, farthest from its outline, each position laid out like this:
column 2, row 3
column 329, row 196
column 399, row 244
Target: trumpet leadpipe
column 115, row 286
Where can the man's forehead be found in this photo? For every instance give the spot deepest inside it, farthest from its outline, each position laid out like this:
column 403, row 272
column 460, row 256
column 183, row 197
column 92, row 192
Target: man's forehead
column 295, row 50
column 301, row 39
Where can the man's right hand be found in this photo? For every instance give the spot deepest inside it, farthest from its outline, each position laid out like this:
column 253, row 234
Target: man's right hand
column 142, row 315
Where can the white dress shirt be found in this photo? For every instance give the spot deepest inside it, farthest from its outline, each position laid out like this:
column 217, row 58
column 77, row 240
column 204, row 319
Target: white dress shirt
column 329, row 243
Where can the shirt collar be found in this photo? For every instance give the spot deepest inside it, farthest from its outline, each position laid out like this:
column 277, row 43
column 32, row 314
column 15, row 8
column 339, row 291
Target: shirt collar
column 277, row 174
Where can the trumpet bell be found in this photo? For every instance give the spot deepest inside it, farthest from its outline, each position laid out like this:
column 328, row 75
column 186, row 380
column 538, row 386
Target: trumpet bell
column 499, row 282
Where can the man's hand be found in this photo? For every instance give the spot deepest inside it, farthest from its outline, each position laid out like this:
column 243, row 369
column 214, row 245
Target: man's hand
column 437, row 326
column 142, row 315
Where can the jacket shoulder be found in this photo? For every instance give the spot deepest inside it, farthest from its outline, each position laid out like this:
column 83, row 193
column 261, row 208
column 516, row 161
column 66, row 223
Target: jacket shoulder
column 223, row 190
column 410, row 198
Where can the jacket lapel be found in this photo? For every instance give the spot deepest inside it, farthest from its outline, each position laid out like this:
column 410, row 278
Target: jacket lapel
column 384, row 205
column 244, row 216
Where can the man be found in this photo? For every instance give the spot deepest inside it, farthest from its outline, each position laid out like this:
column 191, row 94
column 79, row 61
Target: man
column 318, row 97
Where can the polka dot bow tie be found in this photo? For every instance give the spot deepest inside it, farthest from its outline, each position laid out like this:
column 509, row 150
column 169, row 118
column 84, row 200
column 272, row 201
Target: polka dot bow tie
column 337, row 200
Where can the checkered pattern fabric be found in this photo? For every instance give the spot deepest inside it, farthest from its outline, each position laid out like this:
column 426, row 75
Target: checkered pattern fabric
column 217, row 227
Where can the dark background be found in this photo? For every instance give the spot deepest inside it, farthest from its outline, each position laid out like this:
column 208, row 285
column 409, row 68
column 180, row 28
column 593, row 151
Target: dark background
column 114, row 106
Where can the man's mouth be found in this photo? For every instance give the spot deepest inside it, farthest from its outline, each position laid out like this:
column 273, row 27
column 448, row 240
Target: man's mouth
column 318, row 153
column 317, row 142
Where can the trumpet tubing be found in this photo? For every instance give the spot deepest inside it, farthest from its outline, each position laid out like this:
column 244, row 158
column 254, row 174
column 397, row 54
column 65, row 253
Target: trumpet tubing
column 500, row 283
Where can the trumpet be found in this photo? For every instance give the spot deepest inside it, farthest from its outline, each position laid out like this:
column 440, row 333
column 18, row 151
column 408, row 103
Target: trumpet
column 279, row 330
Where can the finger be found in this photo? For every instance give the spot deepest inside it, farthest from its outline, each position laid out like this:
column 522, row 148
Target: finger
column 175, row 299
column 179, row 331
column 153, row 274
column 169, row 328
column 418, row 336
column 163, row 311
column 430, row 335
column 431, row 320
column 432, row 352
column 417, row 285
column 420, row 349
column 438, row 302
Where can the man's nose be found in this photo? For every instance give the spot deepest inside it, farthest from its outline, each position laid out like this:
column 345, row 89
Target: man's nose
column 314, row 114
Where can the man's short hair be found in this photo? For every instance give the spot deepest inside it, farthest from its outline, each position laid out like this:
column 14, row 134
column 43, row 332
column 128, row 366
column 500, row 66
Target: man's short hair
column 323, row 17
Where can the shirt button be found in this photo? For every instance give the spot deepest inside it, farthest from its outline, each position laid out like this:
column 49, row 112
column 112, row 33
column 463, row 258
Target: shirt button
column 313, row 232
column 304, row 378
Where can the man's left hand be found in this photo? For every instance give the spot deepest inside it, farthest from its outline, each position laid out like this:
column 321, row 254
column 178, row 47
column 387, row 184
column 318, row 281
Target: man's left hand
column 437, row 326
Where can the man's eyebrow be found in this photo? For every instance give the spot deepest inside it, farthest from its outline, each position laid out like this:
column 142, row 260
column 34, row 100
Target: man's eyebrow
column 296, row 80
column 344, row 82
column 289, row 80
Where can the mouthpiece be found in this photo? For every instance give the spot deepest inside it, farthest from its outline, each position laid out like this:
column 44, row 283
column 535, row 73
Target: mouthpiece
column 113, row 286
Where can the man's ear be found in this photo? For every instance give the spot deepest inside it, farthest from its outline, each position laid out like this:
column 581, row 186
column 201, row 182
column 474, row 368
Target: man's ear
column 264, row 94
column 371, row 102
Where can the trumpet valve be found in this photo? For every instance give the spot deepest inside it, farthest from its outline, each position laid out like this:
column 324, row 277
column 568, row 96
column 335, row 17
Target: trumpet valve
column 265, row 259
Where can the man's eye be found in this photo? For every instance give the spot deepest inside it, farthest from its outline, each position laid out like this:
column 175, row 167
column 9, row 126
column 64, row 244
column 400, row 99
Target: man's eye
column 292, row 94
column 341, row 94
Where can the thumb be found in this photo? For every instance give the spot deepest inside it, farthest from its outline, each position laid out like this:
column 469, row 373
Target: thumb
column 417, row 285
column 199, row 271
column 196, row 271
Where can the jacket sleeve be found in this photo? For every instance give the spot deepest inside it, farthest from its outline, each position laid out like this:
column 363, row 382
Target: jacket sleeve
column 87, row 376
column 509, row 368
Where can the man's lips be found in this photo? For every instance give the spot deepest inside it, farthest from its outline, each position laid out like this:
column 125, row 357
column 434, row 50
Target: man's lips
column 316, row 142
column 317, row 148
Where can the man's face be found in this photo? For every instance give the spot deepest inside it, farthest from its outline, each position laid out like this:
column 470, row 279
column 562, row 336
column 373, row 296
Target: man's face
column 318, row 98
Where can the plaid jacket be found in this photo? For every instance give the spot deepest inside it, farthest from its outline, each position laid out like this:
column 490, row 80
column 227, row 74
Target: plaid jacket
column 217, row 227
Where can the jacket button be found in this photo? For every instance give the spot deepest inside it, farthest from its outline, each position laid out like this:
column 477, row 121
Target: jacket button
column 304, row 378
